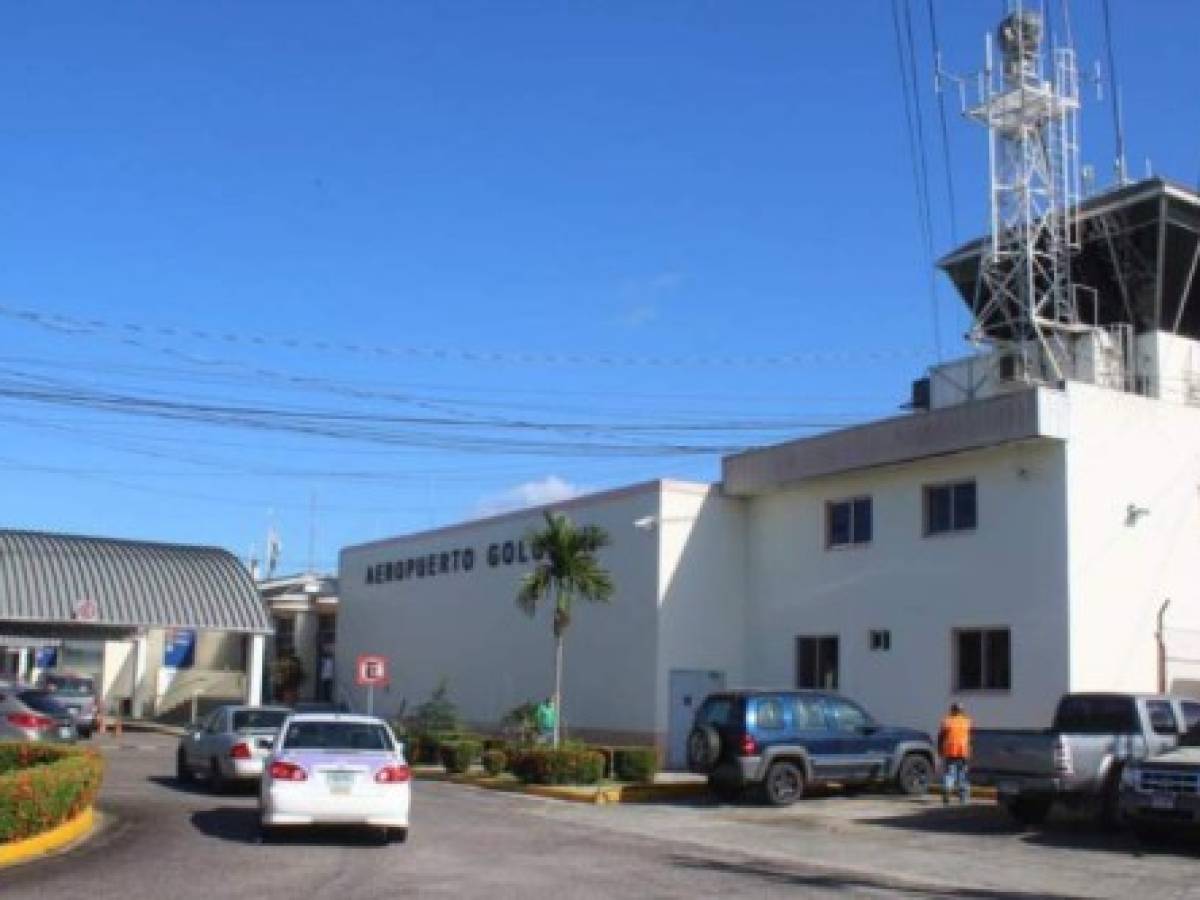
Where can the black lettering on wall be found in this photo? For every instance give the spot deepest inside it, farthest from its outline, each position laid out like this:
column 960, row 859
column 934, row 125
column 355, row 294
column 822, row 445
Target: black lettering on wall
column 468, row 559
column 493, row 556
column 510, row 552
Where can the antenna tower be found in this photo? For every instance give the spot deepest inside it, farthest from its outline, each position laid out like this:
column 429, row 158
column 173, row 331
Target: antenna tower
column 1024, row 301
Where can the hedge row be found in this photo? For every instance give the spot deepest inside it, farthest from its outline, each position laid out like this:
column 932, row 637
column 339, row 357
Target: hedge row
column 43, row 786
column 546, row 766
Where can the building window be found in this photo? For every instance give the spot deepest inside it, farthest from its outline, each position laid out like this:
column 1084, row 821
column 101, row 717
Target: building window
column 950, row 507
column 881, row 640
column 285, row 636
column 983, row 659
column 817, row 661
column 848, row 522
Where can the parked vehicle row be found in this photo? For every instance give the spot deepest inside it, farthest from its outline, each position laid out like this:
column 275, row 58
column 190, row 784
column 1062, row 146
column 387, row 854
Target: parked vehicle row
column 34, row 715
column 1081, row 759
column 312, row 768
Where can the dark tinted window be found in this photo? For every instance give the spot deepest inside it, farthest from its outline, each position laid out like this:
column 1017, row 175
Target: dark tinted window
column 983, row 659
column 807, row 714
column 1191, row 714
column 950, row 507
column 1162, row 717
column 248, row 719
column 720, row 712
column 847, row 716
column 817, row 662
column 848, row 522
column 43, row 702
column 1096, row 715
column 769, row 713
column 336, row 736
column 70, row 684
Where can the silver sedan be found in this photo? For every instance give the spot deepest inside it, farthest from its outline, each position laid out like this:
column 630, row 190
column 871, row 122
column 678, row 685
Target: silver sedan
column 229, row 746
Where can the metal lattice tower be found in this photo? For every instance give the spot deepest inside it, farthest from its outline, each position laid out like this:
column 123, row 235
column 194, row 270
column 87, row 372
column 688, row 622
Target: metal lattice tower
column 1024, row 299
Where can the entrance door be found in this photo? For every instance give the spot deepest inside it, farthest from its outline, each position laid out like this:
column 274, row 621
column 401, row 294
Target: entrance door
column 688, row 688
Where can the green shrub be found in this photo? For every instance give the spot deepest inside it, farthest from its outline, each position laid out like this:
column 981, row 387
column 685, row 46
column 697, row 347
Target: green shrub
column 436, row 715
column 458, row 756
column 43, row 786
column 564, row 766
column 495, row 761
column 637, row 764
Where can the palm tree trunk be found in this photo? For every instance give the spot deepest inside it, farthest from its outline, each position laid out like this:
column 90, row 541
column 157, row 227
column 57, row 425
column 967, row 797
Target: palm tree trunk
column 558, row 667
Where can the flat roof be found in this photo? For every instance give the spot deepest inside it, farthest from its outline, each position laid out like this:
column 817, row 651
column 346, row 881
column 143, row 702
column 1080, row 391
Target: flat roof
column 76, row 586
column 663, row 485
column 1022, row 415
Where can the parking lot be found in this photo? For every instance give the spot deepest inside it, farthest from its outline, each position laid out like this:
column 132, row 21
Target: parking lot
column 159, row 839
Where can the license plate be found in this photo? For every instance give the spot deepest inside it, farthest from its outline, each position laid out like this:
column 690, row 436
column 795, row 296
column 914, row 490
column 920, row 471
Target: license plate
column 1008, row 787
column 1162, row 801
column 66, row 733
column 339, row 782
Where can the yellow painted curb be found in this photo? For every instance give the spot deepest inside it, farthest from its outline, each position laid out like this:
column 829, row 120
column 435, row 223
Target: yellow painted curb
column 48, row 841
column 626, row 793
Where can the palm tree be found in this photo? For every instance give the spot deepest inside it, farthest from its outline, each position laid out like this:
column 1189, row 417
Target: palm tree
column 567, row 568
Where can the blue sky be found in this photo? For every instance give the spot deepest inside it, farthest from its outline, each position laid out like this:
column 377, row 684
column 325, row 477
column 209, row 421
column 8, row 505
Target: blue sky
column 580, row 215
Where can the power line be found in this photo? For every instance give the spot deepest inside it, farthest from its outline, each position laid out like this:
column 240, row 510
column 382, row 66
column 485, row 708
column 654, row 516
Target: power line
column 941, row 97
column 64, row 324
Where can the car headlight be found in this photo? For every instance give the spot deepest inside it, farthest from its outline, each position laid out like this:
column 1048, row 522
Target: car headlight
column 1130, row 776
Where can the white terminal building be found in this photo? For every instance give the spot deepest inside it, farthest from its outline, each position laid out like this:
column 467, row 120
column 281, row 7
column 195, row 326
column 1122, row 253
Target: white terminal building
column 1030, row 526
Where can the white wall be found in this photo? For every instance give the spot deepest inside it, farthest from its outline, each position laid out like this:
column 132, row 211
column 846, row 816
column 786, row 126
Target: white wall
column 1010, row 571
column 702, row 619
column 465, row 625
column 1123, row 450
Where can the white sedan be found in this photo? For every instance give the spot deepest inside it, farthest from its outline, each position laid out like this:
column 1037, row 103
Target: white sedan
column 336, row 769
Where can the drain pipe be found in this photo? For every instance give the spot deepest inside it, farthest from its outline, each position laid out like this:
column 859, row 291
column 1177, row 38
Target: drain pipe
column 1160, row 636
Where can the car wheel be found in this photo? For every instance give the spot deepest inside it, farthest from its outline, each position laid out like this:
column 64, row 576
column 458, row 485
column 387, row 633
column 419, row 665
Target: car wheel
column 1030, row 809
column 84, row 732
column 784, row 784
column 399, row 835
column 914, row 775
column 216, row 781
column 182, row 773
column 267, row 833
column 703, row 748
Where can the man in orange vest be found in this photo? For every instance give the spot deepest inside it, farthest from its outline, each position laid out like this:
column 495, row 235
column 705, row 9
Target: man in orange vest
column 954, row 744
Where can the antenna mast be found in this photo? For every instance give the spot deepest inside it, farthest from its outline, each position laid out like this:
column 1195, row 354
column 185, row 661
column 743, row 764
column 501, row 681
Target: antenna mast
column 1024, row 300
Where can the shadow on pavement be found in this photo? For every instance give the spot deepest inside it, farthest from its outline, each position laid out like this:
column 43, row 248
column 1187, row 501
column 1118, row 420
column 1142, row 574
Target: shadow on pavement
column 239, row 824
column 779, row 876
column 200, row 786
column 1062, row 831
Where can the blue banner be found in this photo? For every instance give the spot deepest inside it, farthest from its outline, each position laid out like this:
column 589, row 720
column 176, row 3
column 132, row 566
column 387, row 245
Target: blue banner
column 179, row 650
column 46, row 658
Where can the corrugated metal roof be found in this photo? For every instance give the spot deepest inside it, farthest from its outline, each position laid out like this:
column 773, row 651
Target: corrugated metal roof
column 74, row 585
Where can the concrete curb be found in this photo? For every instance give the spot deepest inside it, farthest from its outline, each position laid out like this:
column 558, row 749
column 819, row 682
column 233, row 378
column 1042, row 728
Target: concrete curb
column 48, row 841
column 600, row 794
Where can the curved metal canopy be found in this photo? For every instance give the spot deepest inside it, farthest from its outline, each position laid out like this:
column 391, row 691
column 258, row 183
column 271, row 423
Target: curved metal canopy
column 90, row 587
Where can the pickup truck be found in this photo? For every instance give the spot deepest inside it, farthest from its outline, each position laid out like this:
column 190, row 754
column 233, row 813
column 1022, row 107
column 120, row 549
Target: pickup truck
column 1164, row 789
column 1078, row 761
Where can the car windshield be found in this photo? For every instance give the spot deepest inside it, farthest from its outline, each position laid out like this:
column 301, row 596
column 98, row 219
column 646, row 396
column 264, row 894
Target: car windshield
column 336, row 736
column 1191, row 737
column 43, row 702
column 258, row 719
column 1096, row 714
column 68, row 684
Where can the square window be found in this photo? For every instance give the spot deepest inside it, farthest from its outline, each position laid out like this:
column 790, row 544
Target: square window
column 848, row 522
column 982, row 659
column 950, row 507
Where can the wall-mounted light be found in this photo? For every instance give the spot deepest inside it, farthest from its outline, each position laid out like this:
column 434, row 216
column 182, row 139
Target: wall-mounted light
column 1133, row 513
column 649, row 523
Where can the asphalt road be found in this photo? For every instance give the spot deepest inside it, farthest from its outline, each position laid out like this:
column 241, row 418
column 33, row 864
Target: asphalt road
column 162, row 841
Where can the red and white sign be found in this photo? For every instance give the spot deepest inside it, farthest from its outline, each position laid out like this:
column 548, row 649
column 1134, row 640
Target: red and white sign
column 371, row 670
column 86, row 610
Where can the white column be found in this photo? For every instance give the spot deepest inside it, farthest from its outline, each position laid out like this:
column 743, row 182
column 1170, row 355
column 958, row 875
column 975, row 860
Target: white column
column 138, row 694
column 254, row 673
column 22, row 663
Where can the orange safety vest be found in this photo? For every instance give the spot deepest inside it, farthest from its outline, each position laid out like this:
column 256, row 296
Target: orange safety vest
column 954, row 739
